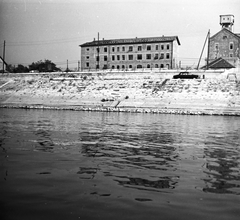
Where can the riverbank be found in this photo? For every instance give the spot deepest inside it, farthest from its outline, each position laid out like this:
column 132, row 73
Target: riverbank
column 136, row 92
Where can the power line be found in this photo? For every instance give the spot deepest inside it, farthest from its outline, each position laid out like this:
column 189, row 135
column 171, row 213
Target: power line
column 76, row 39
column 189, row 58
column 40, row 43
column 57, row 62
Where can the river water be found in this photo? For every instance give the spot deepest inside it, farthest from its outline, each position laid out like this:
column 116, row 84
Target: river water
column 100, row 165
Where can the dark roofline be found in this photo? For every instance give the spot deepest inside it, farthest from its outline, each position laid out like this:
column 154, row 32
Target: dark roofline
column 227, row 15
column 225, row 29
column 216, row 61
column 131, row 41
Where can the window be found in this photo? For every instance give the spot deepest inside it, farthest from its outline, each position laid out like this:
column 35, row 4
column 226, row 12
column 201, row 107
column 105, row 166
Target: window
column 105, row 58
column 139, row 48
column 87, row 49
column 104, row 66
column 130, row 66
column 168, row 46
column 130, row 57
column 123, row 67
column 162, row 56
column 130, row 48
column 87, row 64
column 230, row 55
column 123, row 57
column 98, row 50
column 162, row 47
column 118, row 67
column 97, row 66
column 87, row 57
column 148, row 47
column 156, row 47
column 97, row 58
column 148, row 56
column 139, row 66
column 113, row 67
column 118, row 49
column 123, row 48
column 162, row 66
column 167, row 56
column 113, row 57
column 148, row 66
column 156, row 56
column 231, row 46
column 156, row 65
column 224, row 37
column 216, row 46
column 105, row 49
column 139, row 56
column 113, row 49
column 118, row 57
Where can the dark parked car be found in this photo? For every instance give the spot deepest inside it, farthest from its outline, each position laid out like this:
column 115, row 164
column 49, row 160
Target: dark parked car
column 185, row 75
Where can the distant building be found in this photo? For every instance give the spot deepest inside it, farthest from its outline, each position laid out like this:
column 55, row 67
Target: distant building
column 135, row 53
column 225, row 44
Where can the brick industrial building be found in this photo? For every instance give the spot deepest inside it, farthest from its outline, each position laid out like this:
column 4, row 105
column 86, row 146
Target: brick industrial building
column 134, row 53
column 225, row 44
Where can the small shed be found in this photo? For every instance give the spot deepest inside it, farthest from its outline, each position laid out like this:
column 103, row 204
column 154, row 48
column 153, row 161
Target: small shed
column 219, row 63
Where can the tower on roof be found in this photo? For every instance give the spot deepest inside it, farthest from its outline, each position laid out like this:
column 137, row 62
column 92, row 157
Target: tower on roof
column 227, row 21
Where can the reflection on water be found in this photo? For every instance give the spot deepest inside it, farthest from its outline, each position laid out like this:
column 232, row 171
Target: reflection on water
column 144, row 184
column 42, row 130
column 222, row 167
column 141, row 152
column 111, row 162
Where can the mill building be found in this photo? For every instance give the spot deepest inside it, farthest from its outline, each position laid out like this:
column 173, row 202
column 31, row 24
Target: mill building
column 224, row 46
column 133, row 53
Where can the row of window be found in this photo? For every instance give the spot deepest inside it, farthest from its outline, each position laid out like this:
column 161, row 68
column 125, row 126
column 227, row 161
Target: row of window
column 230, row 46
column 138, row 57
column 216, row 55
column 130, row 48
column 139, row 66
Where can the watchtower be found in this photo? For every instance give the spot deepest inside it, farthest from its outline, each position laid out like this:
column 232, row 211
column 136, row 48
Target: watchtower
column 227, row 21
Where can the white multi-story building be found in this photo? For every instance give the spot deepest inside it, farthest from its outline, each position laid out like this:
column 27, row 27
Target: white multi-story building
column 134, row 53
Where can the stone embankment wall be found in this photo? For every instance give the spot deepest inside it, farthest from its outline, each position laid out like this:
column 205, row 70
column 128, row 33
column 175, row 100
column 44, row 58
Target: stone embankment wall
column 135, row 92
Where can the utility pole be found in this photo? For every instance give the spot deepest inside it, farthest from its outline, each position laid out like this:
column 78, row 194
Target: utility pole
column 4, row 44
column 67, row 67
column 98, row 58
column 208, row 48
column 78, row 65
column 206, row 40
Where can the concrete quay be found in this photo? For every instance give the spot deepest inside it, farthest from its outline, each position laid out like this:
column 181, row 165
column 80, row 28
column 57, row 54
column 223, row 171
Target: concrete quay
column 136, row 92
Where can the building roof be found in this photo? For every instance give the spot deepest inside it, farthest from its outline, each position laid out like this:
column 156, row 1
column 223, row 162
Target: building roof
column 131, row 41
column 219, row 63
column 230, row 32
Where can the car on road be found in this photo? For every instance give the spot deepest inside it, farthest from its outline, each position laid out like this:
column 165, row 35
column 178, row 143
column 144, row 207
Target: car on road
column 185, row 75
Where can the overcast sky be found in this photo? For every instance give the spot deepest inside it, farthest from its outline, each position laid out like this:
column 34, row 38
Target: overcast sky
column 53, row 29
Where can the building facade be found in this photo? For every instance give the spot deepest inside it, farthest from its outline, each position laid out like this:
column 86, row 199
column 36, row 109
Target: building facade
column 225, row 44
column 135, row 53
